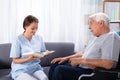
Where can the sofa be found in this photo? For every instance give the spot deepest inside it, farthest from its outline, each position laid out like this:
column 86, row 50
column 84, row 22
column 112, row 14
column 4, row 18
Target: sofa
column 61, row 49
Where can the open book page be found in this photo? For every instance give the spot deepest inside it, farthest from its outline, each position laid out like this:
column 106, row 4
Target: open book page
column 38, row 54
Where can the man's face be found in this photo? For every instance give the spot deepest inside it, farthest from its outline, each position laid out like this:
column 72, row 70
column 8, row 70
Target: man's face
column 94, row 27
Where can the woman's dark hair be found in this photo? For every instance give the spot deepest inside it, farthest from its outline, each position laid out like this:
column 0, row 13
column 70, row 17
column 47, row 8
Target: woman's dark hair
column 28, row 20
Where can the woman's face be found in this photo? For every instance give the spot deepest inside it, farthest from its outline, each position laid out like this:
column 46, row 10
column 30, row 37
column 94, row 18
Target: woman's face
column 31, row 29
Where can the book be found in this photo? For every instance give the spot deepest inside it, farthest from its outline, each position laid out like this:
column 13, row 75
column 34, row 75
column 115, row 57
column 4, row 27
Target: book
column 38, row 54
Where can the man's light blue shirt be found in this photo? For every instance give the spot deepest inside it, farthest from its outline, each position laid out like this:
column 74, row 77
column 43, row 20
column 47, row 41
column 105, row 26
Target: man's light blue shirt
column 106, row 46
column 23, row 45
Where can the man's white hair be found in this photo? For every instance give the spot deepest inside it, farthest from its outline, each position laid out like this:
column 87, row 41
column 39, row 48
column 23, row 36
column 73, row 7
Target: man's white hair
column 101, row 16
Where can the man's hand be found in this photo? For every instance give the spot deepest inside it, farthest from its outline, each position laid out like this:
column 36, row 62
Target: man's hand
column 59, row 60
column 75, row 61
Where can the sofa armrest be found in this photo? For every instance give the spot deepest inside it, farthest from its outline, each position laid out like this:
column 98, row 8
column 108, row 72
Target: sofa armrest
column 5, row 61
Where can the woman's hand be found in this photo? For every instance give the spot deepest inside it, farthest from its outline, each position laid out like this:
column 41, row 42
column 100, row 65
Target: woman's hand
column 30, row 57
column 22, row 60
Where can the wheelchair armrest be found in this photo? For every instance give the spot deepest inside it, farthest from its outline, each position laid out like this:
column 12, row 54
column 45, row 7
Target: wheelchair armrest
column 113, row 70
column 100, row 71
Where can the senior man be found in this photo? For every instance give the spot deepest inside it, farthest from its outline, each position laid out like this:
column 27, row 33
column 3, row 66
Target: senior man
column 102, row 52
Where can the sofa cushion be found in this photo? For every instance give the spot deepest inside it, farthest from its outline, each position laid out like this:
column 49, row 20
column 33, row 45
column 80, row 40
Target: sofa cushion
column 61, row 49
column 46, row 70
column 4, row 74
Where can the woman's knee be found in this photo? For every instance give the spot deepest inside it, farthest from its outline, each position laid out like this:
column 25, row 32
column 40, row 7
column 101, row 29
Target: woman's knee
column 44, row 78
column 25, row 76
column 40, row 75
